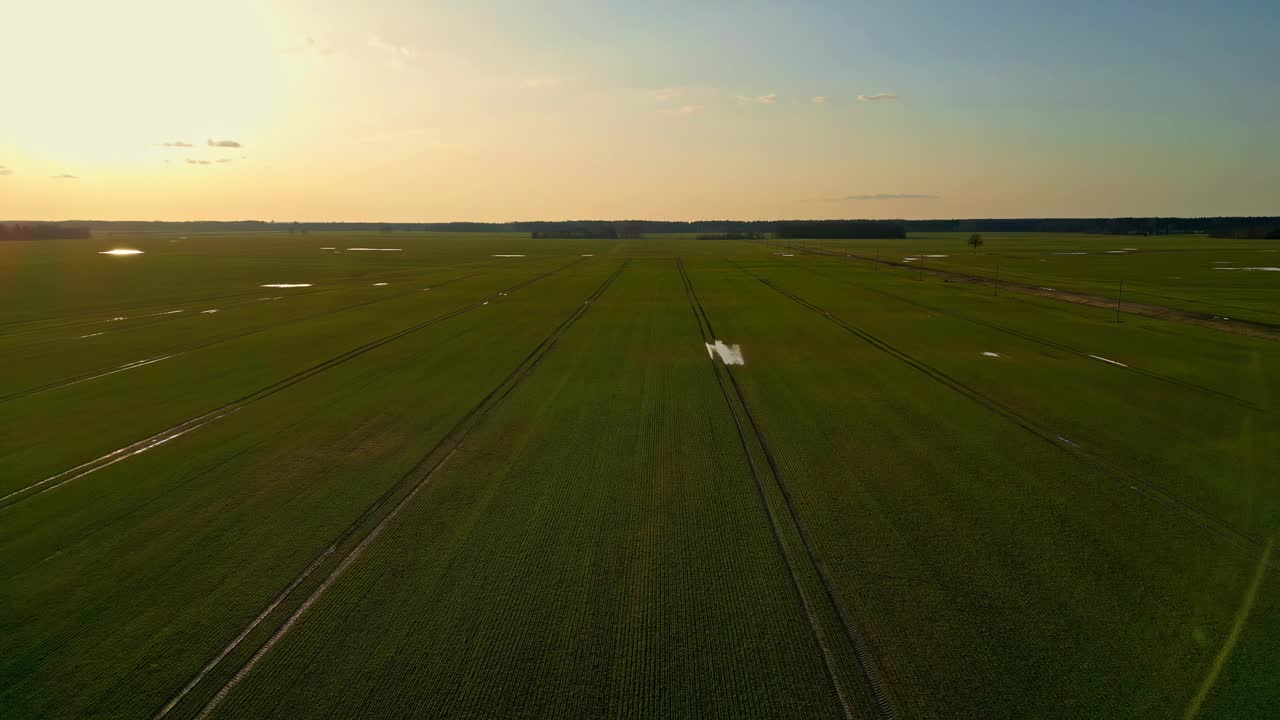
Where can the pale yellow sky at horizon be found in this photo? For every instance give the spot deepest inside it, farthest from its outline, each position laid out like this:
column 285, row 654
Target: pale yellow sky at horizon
column 443, row 111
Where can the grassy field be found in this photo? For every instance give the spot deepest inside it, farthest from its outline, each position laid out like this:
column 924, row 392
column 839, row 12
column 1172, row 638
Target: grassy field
column 489, row 476
column 1229, row 278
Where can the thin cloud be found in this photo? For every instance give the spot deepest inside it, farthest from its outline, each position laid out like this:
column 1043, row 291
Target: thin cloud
column 176, row 144
column 5, row 171
column 877, row 97
column 770, row 99
column 684, row 110
column 65, row 176
column 223, row 144
column 191, row 161
column 379, row 43
column 224, row 160
column 821, row 99
column 309, row 46
column 889, row 196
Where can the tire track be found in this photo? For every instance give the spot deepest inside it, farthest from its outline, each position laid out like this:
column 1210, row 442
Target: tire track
column 175, row 431
column 866, row 664
column 94, row 375
column 1047, row 343
column 1210, row 522
column 380, row 514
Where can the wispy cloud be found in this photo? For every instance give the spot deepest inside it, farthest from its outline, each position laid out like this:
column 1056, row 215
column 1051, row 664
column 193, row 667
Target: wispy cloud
column 821, row 99
column 877, row 97
column 5, row 170
column 176, row 144
column 223, row 144
column 888, row 196
column 192, row 161
column 770, row 99
column 309, row 45
column 65, row 176
column 396, row 54
column 224, row 160
column 684, row 110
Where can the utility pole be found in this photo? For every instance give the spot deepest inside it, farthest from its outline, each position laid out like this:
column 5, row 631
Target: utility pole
column 1118, row 298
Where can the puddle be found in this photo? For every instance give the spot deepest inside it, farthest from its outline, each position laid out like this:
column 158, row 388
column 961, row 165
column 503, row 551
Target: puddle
column 1049, row 289
column 1105, row 360
column 379, row 284
column 937, row 256
column 121, row 251
column 170, row 312
column 1130, row 249
column 788, row 255
column 89, row 335
column 1262, row 269
column 208, row 312
column 375, row 249
column 991, row 354
column 729, row 354
column 1071, row 253
column 140, row 363
column 287, row 285
column 278, row 297
column 588, row 256
column 486, row 302
column 507, row 256
column 1115, row 252
column 328, row 248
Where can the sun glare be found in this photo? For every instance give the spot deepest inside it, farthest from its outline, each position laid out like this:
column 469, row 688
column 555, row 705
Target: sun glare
column 124, row 77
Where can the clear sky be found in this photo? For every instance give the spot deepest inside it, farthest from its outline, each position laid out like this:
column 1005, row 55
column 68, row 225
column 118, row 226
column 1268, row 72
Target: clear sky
column 434, row 110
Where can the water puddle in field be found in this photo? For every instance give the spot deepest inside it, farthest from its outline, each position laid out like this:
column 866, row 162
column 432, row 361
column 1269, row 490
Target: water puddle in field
column 1115, row 252
column 1071, row 253
column 121, row 251
column 287, row 285
column 1130, row 249
column 329, row 248
column 508, row 256
column 208, row 312
column 379, row 284
column 486, row 302
column 729, row 354
column 278, row 297
column 140, row 363
column 788, row 255
column 991, row 354
column 588, row 256
column 377, row 249
column 167, row 312
column 1106, row 360
column 1261, row 269
column 910, row 259
column 937, row 256
column 89, row 335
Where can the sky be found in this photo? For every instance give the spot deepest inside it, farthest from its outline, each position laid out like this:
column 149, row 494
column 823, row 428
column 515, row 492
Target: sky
column 498, row 110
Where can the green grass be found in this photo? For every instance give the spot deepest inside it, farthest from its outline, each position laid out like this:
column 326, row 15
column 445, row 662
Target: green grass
column 552, row 502
column 1179, row 271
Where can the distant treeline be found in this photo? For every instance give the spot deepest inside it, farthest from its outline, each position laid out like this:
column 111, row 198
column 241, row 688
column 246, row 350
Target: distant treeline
column 839, row 229
column 42, row 231
column 1216, row 226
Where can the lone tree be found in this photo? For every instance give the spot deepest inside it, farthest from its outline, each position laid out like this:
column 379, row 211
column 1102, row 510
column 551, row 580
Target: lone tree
column 975, row 241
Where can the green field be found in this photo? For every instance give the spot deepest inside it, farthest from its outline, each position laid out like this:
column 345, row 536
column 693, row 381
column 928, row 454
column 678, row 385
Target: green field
column 440, row 482
column 1189, row 272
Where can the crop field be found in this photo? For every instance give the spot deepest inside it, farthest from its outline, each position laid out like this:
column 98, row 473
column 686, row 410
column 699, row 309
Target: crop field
column 1229, row 278
column 399, row 475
